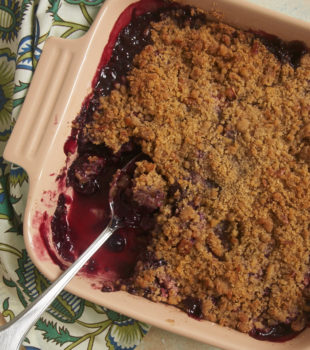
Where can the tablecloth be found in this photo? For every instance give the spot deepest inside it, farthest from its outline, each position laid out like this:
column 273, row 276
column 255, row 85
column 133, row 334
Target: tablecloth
column 70, row 322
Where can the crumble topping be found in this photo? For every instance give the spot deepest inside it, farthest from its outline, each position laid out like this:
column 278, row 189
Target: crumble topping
column 149, row 188
column 226, row 128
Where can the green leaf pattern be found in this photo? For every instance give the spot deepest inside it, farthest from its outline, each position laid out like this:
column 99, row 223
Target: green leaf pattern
column 70, row 322
column 51, row 332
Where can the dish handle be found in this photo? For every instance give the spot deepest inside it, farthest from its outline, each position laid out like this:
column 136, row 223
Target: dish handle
column 46, row 102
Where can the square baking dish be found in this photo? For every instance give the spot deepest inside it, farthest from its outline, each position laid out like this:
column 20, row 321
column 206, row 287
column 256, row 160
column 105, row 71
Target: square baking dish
column 62, row 81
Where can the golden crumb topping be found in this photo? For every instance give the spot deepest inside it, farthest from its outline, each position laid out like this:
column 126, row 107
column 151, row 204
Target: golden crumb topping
column 226, row 127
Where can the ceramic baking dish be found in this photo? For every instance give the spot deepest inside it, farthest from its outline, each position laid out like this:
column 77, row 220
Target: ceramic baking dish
column 60, row 84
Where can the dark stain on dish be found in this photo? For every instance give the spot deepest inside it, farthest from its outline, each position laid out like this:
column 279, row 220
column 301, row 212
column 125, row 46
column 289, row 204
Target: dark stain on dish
column 285, row 51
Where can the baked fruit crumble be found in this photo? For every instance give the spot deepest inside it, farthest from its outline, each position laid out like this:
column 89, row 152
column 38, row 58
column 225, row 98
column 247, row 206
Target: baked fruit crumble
column 216, row 210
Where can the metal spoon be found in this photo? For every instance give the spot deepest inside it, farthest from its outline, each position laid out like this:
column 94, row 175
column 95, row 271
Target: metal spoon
column 13, row 333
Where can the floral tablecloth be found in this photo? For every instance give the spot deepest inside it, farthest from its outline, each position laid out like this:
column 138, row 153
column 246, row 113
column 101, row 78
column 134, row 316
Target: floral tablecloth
column 70, row 322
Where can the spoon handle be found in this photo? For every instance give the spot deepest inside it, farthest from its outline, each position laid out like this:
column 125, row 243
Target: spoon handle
column 13, row 333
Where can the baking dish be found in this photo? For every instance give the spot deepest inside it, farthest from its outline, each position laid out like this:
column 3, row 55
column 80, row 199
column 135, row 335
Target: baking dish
column 53, row 101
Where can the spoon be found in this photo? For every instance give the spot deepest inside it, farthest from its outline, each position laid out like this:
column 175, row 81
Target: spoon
column 13, row 333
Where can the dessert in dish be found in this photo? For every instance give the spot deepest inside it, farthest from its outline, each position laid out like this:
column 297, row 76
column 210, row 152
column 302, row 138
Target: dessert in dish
column 216, row 210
